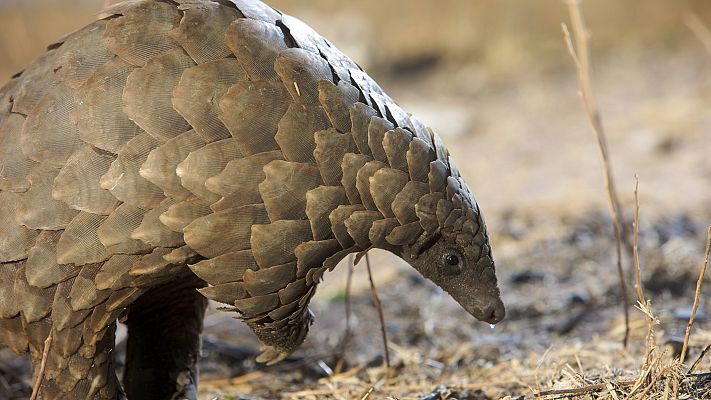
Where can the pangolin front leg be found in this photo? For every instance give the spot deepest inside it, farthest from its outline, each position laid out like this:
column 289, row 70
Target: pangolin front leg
column 164, row 327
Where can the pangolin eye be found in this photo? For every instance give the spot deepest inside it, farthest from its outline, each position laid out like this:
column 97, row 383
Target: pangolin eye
column 451, row 259
column 452, row 262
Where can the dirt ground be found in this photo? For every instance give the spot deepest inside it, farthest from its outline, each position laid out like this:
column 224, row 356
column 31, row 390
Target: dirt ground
column 495, row 80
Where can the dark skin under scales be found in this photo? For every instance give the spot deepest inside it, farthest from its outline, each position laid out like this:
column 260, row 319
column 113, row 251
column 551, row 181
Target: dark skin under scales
column 179, row 151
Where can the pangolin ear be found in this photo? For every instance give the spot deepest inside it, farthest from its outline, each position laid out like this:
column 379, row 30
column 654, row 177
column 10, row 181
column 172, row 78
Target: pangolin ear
column 423, row 244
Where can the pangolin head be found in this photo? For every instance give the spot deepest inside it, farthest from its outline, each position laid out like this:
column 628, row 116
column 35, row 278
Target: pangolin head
column 457, row 257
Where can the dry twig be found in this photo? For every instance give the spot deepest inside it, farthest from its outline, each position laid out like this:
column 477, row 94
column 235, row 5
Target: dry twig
column 582, row 390
column 580, row 55
column 699, row 358
column 644, row 305
column 347, row 332
column 699, row 29
column 43, row 364
column 367, row 394
column 379, row 306
column 637, row 274
column 697, row 296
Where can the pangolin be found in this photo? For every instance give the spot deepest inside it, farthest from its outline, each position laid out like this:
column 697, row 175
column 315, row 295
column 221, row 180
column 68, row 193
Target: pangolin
column 223, row 146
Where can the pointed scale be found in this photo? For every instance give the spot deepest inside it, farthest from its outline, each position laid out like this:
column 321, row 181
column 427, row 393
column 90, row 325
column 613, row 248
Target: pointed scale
column 312, row 254
column 331, row 146
column 152, row 232
column 77, row 183
column 251, row 111
column 229, row 267
column 79, row 243
column 350, row 165
column 301, row 71
column 15, row 240
column 284, row 188
column 137, row 46
column 320, row 202
column 42, row 269
column 36, row 208
column 358, row 226
column 361, row 115
column 202, row 30
column 403, row 206
column 196, row 95
column 295, row 134
column 181, row 214
column 337, row 101
column 204, row 163
column 396, row 144
column 419, row 156
column 148, row 95
column 14, row 165
column 256, row 45
column 224, row 231
column 363, row 182
column 100, row 117
column 123, row 178
column 274, row 244
column 162, row 162
column 338, row 227
column 269, row 280
column 115, row 232
column 239, row 181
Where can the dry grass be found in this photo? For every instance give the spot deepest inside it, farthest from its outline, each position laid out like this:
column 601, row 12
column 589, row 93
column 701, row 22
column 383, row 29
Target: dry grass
column 580, row 53
column 660, row 376
column 43, row 365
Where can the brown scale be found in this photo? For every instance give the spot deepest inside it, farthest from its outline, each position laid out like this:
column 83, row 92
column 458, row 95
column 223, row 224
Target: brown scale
column 14, row 166
column 100, row 117
column 182, row 150
column 36, row 208
column 161, row 163
column 123, row 178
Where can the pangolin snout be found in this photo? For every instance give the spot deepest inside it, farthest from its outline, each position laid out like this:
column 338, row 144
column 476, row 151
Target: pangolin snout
column 494, row 313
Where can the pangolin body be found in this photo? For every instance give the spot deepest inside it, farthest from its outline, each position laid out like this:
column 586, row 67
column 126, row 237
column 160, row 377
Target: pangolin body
column 218, row 145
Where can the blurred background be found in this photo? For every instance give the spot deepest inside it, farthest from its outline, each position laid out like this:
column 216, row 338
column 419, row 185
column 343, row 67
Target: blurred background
column 494, row 78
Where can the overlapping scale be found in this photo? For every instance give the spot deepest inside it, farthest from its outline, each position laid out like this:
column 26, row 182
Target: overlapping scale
column 99, row 107
column 161, row 163
column 251, row 110
column 239, row 181
column 256, row 44
column 204, row 163
column 36, row 208
column 79, row 244
column 141, row 32
column 123, row 179
column 197, row 94
column 331, row 147
column 49, row 134
column 15, row 240
column 202, row 29
column 284, row 188
column 77, row 183
column 148, row 95
column 224, row 231
column 14, row 165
